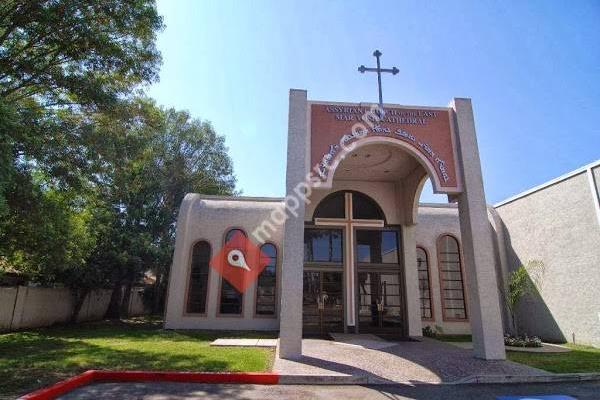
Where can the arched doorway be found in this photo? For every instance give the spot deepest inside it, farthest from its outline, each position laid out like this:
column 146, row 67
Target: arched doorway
column 442, row 142
column 353, row 277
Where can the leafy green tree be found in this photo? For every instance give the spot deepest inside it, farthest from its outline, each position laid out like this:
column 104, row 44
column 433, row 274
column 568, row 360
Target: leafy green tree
column 62, row 61
column 92, row 174
column 522, row 282
column 77, row 52
column 147, row 160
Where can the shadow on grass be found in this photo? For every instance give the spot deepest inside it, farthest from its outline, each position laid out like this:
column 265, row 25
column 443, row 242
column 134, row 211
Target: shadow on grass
column 33, row 359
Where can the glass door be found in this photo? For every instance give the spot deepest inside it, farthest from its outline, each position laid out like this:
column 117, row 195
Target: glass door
column 323, row 302
column 380, row 302
column 380, row 282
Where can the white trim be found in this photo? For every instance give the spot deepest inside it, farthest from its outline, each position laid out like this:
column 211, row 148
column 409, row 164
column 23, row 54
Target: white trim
column 561, row 178
column 239, row 198
column 594, row 190
column 438, row 205
column 385, row 105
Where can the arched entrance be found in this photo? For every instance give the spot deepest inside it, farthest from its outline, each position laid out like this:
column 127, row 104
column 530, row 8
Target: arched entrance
column 442, row 142
column 353, row 276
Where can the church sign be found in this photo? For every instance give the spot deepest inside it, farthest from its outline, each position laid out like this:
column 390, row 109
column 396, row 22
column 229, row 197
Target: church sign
column 425, row 131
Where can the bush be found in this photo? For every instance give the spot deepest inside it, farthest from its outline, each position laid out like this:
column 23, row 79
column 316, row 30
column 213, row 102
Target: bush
column 429, row 332
column 522, row 341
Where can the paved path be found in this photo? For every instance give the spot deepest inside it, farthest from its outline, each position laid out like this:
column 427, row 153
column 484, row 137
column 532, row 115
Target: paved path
column 429, row 361
column 186, row 391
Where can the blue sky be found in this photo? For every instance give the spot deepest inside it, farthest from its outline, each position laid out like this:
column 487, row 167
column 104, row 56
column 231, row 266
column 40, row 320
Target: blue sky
column 532, row 69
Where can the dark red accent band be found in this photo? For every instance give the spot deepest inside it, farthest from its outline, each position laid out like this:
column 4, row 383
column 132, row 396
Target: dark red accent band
column 51, row 392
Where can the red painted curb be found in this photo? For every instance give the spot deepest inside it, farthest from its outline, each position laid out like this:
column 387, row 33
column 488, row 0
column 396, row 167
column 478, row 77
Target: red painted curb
column 51, row 392
column 61, row 387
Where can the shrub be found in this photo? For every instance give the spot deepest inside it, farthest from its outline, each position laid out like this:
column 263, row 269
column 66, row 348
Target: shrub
column 429, row 332
column 522, row 341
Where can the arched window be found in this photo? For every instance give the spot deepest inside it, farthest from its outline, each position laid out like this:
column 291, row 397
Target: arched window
column 424, row 284
column 364, row 207
column 454, row 306
column 336, row 205
column 230, row 298
column 266, row 291
column 332, row 206
column 231, row 235
column 198, row 282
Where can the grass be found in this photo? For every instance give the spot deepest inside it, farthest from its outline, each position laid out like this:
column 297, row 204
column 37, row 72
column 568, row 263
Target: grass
column 579, row 359
column 36, row 358
column 454, row 338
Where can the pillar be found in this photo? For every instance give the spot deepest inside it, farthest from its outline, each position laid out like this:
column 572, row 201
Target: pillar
column 478, row 250
column 411, row 280
column 290, row 316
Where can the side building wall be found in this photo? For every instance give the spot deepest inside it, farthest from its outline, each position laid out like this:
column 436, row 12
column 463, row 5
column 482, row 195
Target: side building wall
column 558, row 224
column 433, row 221
column 208, row 218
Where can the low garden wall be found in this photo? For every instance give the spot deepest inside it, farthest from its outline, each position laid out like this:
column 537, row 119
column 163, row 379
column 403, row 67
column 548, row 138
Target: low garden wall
column 33, row 307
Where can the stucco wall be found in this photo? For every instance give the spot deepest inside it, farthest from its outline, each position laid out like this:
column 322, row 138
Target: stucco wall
column 208, row 219
column 432, row 222
column 8, row 295
column 32, row 307
column 205, row 218
column 558, row 225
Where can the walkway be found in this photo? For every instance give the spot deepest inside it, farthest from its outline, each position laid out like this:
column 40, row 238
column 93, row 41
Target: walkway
column 199, row 391
column 429, row 361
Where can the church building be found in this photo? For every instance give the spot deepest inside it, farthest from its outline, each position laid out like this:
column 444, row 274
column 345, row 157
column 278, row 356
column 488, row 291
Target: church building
column 350, row 249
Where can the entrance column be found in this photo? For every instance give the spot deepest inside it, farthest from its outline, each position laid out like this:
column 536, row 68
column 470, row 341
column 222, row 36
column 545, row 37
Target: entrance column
column 290, row 315
column 478, row 251
column 411, row 280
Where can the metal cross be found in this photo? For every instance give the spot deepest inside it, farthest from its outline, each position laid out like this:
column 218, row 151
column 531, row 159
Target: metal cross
column 362, row 69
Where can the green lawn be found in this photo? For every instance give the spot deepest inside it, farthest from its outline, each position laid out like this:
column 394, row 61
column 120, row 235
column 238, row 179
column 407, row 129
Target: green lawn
column 33, row 359
column 454, row 338
column 579, row 359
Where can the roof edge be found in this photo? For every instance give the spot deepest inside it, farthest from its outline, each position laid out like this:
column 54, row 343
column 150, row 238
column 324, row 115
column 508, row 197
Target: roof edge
column 238, row 198
column 438, row 205
column 554, row 181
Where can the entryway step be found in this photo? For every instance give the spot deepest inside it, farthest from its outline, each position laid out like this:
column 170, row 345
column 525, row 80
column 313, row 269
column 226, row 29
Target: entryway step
column 364, row 340
column 245, row 342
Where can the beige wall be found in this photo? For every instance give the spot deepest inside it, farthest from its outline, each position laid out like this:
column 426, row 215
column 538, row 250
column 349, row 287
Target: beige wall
column 434, row 220
column 8, row 295
column 208, row 218
column 558, row 225
column 32, row 307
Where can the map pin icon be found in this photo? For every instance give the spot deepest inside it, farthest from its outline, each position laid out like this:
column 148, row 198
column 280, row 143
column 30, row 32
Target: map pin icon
column 235, row 258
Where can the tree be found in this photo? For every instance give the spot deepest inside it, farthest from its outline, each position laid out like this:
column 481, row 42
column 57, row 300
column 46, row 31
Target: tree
column 91, row 173
column 146, row 161
column 61, row 62
column 58, row 61
column 77, row 52
column 522, row 282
